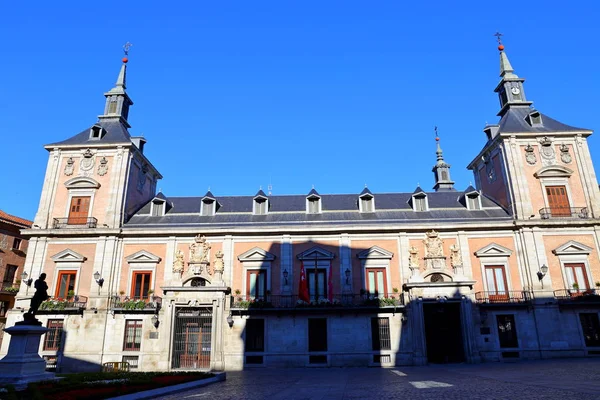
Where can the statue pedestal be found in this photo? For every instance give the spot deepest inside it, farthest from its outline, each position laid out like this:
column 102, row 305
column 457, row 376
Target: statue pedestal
column 22, row 364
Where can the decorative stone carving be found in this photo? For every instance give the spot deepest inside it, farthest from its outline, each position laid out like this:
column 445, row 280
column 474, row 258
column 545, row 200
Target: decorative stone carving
column 413, row 259
column 547, row 153
column 142, row 177
column 490, row 171
column 219, row 265
column 86, row 165
column 179, row 263
column 199, row 250
column 565, row 156
column 70, row 166
column 434, row 246
column 530, row 155
column 455, row 257
column 103, row 166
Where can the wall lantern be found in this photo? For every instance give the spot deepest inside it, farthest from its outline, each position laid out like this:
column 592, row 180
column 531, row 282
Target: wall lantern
column 230, row 320
column 155, row 320
column 347, row 272
column 98, row 278
column 285, row 276
column 25, row 280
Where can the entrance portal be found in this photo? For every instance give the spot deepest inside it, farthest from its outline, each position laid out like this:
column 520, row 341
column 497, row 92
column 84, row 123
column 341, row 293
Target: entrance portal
column 192, row 338
column 443, row 333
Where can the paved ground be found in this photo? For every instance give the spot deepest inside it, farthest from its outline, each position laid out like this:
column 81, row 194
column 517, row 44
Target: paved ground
column 549, row 379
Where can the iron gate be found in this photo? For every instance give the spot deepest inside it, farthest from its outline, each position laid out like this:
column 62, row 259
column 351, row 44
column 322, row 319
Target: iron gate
column 192, row 338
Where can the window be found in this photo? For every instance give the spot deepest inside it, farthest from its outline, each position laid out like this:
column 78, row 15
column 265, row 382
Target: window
column 503, row 97
column 96, row 132
column 380, row 333
column 420, row 203
column 313, row 205
column 576, row 276
column 3, row 308
column 260, row 206
column 507, row 331
column 157, row 208
column 112, row 106
column 496, row 282
column 591, row 329
column 367, row 204
column 141, row 285
column 255, row 335
column 317, row 334
column 133, row 361
column 376, row 281
column 256, row 283
column 79, row 210
column 66, row 283
column 53, row 337
column 317, row 284
column 16, row 244
column 558, row 201
column 133, row 335
column 473, row 202
column 9, row 275
column 208, row 208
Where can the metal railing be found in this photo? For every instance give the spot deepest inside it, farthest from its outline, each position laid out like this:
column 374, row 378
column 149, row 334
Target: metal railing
column 75, row 222
column 57, row 304
column 338, row 300
column 564, row 212
column 502, row 297
column 576, row 294
column 134, row 304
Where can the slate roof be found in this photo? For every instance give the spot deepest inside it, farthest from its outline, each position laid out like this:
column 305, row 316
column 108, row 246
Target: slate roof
column 116, row 133
column 513, row 121
column 236, row 211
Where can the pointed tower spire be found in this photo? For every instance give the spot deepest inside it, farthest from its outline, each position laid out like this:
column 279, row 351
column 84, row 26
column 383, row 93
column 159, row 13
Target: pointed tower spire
column 117, row 100
column 441, row 169
column 510, row 89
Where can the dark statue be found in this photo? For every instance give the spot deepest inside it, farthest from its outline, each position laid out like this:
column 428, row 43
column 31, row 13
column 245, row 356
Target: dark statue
column 40, row 295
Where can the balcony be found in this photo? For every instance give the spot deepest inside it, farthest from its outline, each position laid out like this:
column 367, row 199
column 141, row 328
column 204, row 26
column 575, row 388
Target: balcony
column 135, row 305
column 9, row 289
column 577, row 296
column 71, row 305
column 512, row 297
column 340, row 301
column 74, row 223
column 567, row 212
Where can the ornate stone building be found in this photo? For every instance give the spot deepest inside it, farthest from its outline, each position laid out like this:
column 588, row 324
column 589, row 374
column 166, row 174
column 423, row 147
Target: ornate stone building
column 505, row 269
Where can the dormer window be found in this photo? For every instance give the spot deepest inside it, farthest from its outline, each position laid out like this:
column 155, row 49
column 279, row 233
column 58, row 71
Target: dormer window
column 97, row 132
column 367, row 203
column 419, row 201
column 261, row 205
column 208, row 207
column 473, row 200
column 157, row 208
column 534, row 119
column 313, row 205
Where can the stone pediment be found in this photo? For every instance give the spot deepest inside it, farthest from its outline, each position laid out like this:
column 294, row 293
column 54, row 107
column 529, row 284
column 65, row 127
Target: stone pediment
column 316, row 253
column 143, row 256
column 493, row 250
column 82, row 182
column 572, row 247
column 256, row 254
column 553, row 171
column 375, row 252
column 68, row 255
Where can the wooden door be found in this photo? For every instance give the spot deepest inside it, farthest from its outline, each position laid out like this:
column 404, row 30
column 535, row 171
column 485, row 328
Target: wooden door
column 497, row 284
column 79, row 210
column 558, row 201
column 376, row 281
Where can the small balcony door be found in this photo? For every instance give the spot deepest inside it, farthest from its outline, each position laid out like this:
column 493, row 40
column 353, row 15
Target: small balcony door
column 558, row 201
column 317, row 284
column 376, row 281
column 256, row 284
column 66, row 283
column 79, row 210
column 496, row 281
column 577, row 280
column 141, row 285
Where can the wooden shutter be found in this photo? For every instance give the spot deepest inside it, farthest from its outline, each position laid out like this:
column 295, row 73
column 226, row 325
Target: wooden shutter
column 558, row 201
column 79, row 210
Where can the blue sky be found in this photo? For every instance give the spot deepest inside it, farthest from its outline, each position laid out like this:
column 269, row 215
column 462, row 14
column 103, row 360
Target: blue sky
column 234, row 95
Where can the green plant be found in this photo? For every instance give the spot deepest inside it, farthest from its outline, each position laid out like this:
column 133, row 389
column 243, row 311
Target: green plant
column 387, row 302
column 11, row 290
column 598, row 284
column 150, row 292
column 238, row 292
column 395, row 290
column 122, row 292
column 70, row 293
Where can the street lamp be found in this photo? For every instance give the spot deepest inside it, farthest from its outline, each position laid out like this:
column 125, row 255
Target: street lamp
column 347, row 272
column 98, row 278
column 25, row 280
column 285, row 276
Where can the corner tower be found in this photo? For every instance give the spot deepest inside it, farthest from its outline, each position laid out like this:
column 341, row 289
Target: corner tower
column 441, row 170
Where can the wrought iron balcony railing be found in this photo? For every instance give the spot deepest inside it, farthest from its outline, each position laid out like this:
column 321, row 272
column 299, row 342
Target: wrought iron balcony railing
column 577, row 294
column 135, row 304
column 75, row 222
column 57, row 305
column 338, row 300
column 502, row 297
column 566, row 212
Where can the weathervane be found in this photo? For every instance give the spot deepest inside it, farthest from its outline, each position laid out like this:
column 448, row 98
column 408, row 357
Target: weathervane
column 499, row 37
column 126, row 47
column 435, row 130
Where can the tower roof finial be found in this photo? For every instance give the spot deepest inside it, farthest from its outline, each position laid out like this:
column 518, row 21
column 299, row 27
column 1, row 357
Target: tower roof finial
column 506, row 70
